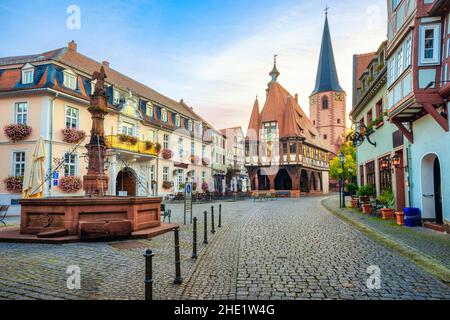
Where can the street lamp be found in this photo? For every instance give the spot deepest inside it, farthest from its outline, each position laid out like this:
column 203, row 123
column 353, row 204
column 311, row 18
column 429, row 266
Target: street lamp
column 342, row 160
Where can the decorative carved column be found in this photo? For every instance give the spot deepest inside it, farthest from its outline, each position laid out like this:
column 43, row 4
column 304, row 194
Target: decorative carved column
column 95, row 182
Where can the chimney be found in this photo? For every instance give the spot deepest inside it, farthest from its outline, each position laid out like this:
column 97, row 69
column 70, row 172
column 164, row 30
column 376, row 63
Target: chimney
column 296, row 98
column 72, row 45
column 105, row 64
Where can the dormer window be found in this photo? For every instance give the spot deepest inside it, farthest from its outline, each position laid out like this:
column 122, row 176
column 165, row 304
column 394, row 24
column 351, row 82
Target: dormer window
column 116, row 97
column 190, row 125
column 164, row 115
column 149, row 110
column 70, row 79
column 177, row 120
column 27, row 74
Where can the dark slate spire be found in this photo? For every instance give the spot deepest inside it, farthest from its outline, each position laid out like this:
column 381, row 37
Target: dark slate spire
column 327, row 79
column 274, row 74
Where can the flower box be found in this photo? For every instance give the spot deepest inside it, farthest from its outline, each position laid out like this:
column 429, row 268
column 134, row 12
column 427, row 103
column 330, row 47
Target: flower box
column 167, row 185
column 17, row 132
column 167, row 154
column 14, row 184
column 127, row 139
column 70, row 184
column 73, row 135
column 205, row 162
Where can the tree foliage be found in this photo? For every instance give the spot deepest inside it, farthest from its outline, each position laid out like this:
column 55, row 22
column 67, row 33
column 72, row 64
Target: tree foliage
column 349, row 152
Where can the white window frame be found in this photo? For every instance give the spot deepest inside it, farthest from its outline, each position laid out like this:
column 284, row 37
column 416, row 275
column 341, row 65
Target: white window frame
column 149, row 110
column 166, row 141
column 72, row 118
column 152, row 135
column 126, row 127
column 70, row 80
column 165, row 175
column 70, row 167
column 116, row 96
column 164, row 115
column 177, row 120
column 28, row 75
column 21, row 163
column 436, row 27
column 21, row 117
column 190, row 125
column 180, row 147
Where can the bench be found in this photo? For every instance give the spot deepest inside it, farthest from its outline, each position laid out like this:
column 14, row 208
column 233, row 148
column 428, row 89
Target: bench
column 3, row 212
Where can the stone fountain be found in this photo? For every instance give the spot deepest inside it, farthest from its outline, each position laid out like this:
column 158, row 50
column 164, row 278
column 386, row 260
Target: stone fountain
column 94, row 216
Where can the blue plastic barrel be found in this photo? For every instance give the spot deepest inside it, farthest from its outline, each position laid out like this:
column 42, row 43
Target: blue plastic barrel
column 412, row 217
column 409, row 212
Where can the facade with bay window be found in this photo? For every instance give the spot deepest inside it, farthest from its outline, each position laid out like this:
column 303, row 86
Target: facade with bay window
column 383, row 139
column 418, row 89
column 155, row 144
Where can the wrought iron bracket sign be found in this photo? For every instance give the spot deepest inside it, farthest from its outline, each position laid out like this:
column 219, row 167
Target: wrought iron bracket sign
column 360, row 132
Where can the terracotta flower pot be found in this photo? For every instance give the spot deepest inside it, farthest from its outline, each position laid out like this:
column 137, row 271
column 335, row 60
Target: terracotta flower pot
column 400, row 218
column 387, row 213
column 355, row 203
column 367, row 208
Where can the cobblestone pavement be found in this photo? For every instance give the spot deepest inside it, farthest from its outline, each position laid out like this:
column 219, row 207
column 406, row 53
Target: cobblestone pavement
column 283, row 249
column 434, row 245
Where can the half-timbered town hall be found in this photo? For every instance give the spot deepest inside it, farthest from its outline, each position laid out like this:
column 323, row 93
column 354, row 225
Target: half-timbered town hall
column 284, row 152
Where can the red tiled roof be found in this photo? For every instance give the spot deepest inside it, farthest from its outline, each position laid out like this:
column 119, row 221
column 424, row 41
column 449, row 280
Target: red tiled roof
column 281, row 106
column 254, row 119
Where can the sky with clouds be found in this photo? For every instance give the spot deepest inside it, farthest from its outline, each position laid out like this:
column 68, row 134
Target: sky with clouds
column 215, row 54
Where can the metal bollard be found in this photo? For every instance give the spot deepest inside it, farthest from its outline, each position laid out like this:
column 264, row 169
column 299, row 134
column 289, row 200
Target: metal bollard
column 194, row 240
column 220, row 216
column 205, row 237
column 148, row 275
column 178, row 279
column 213, row 228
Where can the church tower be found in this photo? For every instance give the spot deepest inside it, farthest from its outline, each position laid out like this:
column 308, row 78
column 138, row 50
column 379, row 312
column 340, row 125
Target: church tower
column 327, row 102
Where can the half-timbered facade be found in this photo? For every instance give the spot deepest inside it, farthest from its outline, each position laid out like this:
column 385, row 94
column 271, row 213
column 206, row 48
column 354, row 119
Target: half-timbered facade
column 284, row 152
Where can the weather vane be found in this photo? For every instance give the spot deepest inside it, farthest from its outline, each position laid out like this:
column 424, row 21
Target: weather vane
column 326, row 9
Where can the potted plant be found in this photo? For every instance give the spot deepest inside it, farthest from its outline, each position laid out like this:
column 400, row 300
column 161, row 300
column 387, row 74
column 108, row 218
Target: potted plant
column 149, row 145
column 194, row 159
column 205, row 187
column 167, row 154
column 158, row 147
column 14, row 184
column 71, row 135
column 387, row 199
column 400, row 216
column 365, row 192
column 127, row 139
column 70, row 184
column 17, row 132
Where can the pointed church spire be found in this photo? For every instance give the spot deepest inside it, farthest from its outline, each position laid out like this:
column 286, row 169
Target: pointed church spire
column 274, row 73
column 327, row 79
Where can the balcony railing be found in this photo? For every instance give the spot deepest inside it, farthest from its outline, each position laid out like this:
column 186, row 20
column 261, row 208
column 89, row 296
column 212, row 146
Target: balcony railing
column 141, row 147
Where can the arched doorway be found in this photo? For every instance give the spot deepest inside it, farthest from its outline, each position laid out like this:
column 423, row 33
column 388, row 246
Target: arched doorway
column 283, row 180
column 126, row 181
column 263, row 181
column 304, row 183
column 431, row 189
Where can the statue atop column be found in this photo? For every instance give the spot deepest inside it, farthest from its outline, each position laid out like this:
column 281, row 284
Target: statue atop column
column 95, row 182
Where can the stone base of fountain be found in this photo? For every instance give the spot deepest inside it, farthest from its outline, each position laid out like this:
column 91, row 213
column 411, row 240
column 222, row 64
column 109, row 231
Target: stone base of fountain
column 69, row 219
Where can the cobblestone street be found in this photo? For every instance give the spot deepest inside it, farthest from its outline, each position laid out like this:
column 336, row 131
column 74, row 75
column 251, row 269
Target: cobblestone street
column 282, row 249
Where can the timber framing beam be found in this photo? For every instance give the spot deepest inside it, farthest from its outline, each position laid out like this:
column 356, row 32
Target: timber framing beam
column 442, row 121
column 408, row 134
